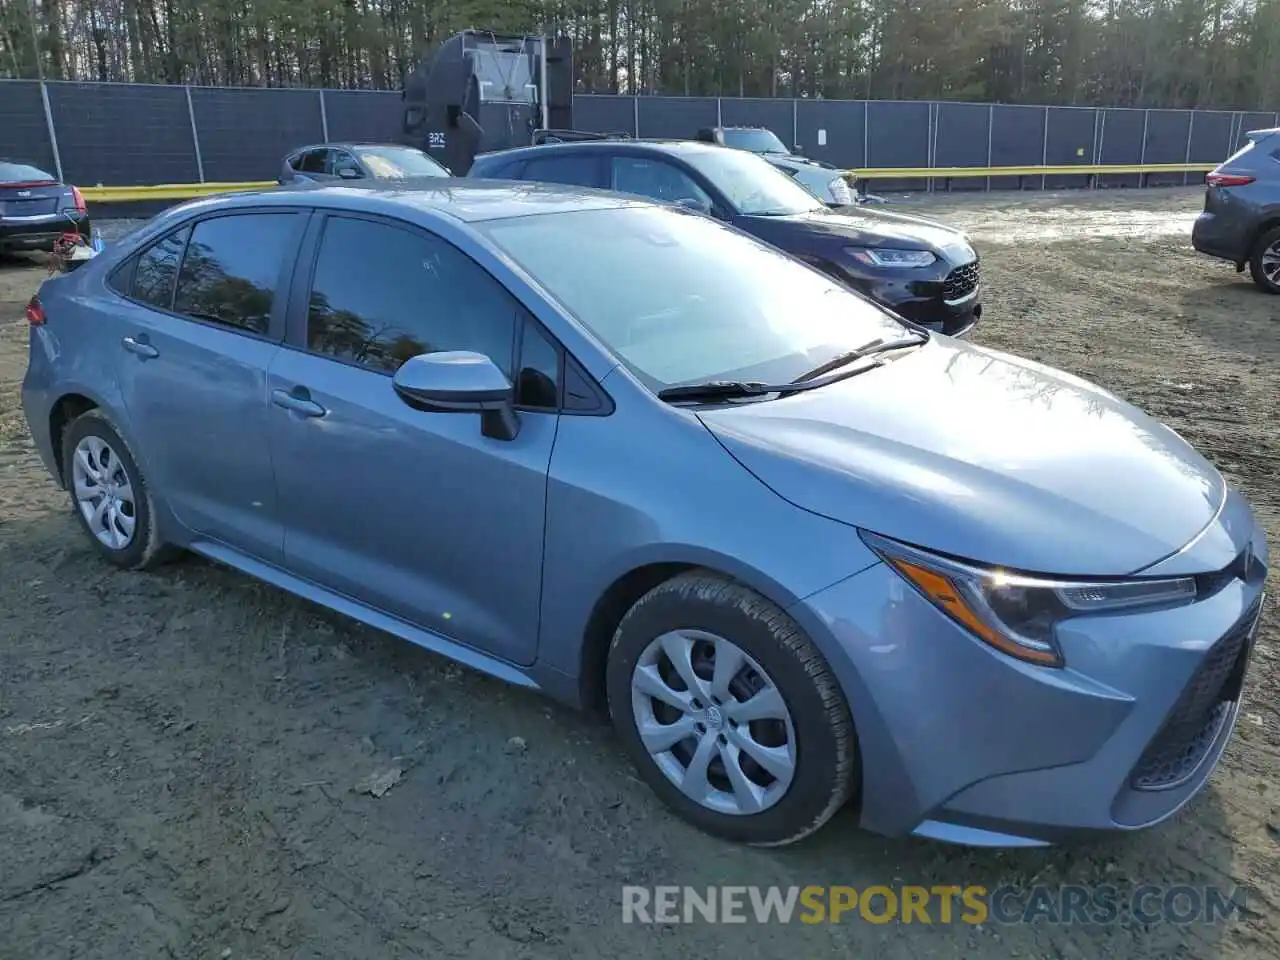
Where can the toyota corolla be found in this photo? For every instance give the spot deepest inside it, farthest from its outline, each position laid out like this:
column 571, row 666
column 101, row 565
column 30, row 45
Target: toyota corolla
column 639, row 460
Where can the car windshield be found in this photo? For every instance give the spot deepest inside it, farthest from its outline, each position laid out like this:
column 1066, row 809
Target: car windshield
column 753, row 185
column 399, row 163
column 757, row 141
column 22, row 173
column 681, row 299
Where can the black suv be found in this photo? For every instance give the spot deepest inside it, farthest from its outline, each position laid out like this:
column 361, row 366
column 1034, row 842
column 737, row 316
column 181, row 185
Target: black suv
column 924, row 271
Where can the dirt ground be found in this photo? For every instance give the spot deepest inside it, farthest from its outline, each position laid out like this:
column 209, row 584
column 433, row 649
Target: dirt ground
column 179, row 751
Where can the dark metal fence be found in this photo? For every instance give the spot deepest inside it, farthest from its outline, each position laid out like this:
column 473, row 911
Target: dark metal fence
column 121, row 134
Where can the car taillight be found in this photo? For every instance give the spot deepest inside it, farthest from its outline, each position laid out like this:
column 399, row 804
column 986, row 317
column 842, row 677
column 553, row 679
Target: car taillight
column 35, row 312
column 78, row 197
column 1227, row 180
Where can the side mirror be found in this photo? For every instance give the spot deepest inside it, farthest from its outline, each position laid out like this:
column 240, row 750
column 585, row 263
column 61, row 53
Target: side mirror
column 460, row 381
column 348, row 173
column 693, row 203
column 797, row 149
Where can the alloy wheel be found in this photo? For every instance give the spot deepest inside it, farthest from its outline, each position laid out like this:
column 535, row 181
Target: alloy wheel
column 1271, row 263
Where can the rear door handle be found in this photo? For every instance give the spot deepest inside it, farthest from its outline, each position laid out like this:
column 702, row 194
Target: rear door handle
column 144, row 350
column 302, row 405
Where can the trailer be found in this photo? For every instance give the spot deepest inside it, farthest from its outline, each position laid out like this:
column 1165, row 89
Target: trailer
column 483, row 91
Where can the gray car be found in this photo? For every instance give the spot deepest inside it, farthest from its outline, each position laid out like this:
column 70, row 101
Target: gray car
column 1241, row 218
column 637, row 459
column 327, row 162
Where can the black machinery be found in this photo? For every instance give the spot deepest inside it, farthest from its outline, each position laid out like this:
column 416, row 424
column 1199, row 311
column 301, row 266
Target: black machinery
column 483, row 91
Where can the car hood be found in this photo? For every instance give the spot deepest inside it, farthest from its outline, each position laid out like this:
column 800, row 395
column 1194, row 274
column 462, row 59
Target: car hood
column 816, row 179
column 982, row 456
column 866, row 227
column 795, row 162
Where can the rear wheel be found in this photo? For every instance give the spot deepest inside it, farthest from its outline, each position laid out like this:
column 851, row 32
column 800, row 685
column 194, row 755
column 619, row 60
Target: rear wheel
column 1264, row 264
column 109, row 495
column 729, row 712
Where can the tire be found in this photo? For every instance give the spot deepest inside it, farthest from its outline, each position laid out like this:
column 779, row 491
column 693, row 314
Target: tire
column 1265, row 242
column 143, row 549
column 820, row 735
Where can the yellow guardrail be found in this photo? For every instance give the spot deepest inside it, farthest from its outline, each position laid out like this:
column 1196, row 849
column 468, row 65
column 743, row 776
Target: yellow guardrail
column 169, row 191
column 190, row 191
column 1079, row 169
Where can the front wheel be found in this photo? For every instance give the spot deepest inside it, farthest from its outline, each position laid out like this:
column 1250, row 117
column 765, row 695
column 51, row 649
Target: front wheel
column 1264, row 264
column 729, row 712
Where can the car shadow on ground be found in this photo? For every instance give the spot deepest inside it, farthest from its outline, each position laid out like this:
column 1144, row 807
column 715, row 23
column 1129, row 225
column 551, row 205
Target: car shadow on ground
column 21, row 261
column 1235, row 314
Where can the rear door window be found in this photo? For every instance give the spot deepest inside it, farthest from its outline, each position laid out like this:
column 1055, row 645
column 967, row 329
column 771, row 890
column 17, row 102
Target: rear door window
column 232, row 268
column 577, row 170
column 655, row 179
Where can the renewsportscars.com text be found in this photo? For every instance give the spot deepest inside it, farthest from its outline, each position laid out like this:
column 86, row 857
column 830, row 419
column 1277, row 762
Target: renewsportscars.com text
column 937, row 904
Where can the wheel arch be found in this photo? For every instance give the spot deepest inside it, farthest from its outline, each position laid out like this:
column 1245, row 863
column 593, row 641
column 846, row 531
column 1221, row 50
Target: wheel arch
column 641, row 576
column 74, row 401
column 65, row 409
column 1268, row 223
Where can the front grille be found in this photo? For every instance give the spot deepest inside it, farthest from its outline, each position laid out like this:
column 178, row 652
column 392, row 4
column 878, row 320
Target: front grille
column 1197, row 717
column 961, row 281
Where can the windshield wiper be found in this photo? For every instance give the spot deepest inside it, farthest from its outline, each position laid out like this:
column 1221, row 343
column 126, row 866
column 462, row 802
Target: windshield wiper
column 714, row 390
column 879, row 345
column 725, row 390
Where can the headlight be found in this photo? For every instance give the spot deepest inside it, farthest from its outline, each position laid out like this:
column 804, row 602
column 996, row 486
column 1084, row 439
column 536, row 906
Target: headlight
column 1017, row 614
column 839, row 190
column 880, row 257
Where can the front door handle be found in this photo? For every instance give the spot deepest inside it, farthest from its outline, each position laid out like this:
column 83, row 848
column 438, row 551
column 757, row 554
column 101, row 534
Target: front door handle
column 298, row 404
column 142, row 349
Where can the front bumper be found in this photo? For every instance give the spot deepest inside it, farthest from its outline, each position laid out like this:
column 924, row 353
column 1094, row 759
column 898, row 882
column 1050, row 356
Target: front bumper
column 945, row 297
column 964, row 744
column 39, row 233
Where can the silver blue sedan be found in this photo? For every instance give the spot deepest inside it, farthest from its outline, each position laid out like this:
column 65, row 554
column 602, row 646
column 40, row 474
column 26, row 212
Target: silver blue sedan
column 641, row 461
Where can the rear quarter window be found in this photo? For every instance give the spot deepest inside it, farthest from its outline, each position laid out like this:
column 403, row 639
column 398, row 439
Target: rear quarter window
column 581, row 170
column 500, row 170
column 155, row 269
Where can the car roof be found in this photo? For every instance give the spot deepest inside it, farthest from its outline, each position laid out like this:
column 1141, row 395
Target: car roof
column 674, row 147
column 351, row 145
column 470, row 201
